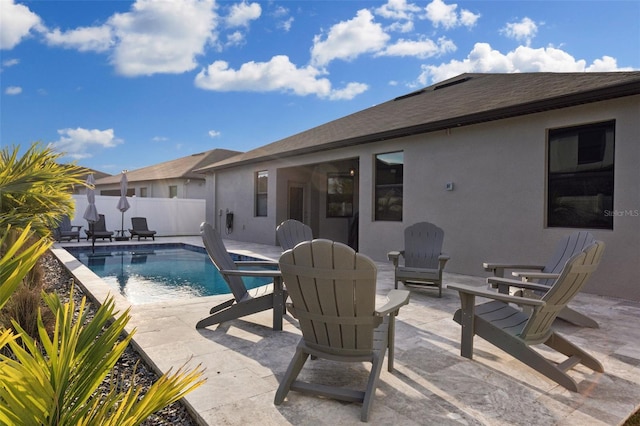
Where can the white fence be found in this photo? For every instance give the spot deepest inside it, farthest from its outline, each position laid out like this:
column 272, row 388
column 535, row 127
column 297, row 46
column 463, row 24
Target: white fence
column 168, row 216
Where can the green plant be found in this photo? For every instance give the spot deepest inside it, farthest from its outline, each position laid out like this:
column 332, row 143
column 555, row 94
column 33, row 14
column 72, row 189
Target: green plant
column 35, row 189
column 56, row 385
column 18, row 258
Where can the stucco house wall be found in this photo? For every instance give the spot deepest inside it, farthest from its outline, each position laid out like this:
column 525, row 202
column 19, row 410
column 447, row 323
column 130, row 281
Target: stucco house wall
column 496, row 211
column 187, row 188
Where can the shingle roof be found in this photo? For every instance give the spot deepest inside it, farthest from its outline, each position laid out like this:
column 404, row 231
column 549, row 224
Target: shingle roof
column 180, row 168
column 462, row 100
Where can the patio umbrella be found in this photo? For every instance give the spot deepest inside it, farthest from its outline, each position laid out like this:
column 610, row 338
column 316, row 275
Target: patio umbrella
column 123, row 203
column 91, row 212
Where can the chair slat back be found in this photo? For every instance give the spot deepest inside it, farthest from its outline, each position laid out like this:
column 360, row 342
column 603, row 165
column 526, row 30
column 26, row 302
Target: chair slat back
column 65, row 224
column 222, row 260
column 423, row 245
column 291, row 232
column 566, row 248
column 139, row 223
column 333, row 290
column 572, row 279
column 99, row 226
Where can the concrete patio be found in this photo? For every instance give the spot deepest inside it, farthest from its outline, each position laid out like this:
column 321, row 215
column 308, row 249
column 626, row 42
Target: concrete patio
column 432, row 383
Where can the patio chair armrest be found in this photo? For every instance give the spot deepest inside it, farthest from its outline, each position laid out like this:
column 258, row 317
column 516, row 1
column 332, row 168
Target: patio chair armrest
column 394, row 256
column 397, row 298
column 76, row 226
column 252, row 273
column 241, row 263
column 527, row 275
column 500, row 282
column 507, row 298
column 443, row 259
column 498, row 268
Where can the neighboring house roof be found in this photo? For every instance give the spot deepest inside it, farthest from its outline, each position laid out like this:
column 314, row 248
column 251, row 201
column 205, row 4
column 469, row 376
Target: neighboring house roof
column 459, row 101
column 180, row 168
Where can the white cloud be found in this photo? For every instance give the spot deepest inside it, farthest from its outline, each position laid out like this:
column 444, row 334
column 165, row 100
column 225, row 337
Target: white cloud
column 349, row 92
column 10, row 62
column 441, row 14
column 16, row 23
column 76, row 143
column 235, row 39
column 13, row 90
column 84, row 39
column 398, row 9
column 606, row 64
column 419, row 48
column 349, row 39
column 161, row 36
column 484, row 59
column 523, row 31
column 242, row 14
column 286, row 25
column 277, row 75
column 159, row 139
column 214, row 134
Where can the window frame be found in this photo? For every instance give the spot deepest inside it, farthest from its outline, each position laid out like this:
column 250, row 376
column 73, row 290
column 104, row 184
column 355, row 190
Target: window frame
column 261, row 193
column 580, row 176
column 393, row 190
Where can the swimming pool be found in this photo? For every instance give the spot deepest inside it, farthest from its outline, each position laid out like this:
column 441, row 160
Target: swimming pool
column 158, row 272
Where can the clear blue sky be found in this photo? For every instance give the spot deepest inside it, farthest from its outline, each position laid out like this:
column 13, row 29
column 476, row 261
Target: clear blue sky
column 122, row 85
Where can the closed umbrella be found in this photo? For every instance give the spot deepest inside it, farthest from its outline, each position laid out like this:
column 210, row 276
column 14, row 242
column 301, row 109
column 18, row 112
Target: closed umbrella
column 123, row 203
column 91, row 212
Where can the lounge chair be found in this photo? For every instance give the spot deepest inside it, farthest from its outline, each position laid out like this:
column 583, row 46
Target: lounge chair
column 67, row 231
column 99, row 230
column 546, row 274
column 333, row 291
column 423, row 257
column 515, row 331
column 243, row 303
column 140, row 228
column 291, row 232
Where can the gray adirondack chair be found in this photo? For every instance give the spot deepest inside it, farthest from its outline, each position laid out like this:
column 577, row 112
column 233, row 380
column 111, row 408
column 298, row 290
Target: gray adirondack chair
column 515, row 331
column 99, row 230
column 140, row 229
column 332, row 290
column 546, row 274
column 243, row 302
column 291, row 232
column 423, row 257
column 67, row 231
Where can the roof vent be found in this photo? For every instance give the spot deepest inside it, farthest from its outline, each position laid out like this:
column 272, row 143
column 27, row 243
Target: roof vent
column 452, row 83
column 409, row 95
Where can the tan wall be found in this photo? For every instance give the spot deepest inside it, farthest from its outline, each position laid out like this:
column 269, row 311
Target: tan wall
column 496, row 211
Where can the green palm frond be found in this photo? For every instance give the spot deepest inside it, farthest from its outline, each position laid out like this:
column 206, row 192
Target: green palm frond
column 35, row 188
column 17, row 258
column 57, row 384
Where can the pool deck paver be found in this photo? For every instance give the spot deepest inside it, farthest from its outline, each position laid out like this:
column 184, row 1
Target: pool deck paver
column 431, row 384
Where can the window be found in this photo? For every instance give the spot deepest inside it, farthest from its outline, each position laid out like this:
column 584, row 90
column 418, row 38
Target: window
column 262, row 184
column 143, row 192
column 580, row 176
column 388, row 189
column 339, row 195
column 173, row 191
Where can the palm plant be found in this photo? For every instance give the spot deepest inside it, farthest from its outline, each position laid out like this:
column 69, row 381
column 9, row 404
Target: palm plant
column 56, row 385
column 35, row 188
column 51, row 379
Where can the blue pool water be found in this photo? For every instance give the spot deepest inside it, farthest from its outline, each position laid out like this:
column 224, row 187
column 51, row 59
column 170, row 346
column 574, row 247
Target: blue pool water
column 158, row 272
